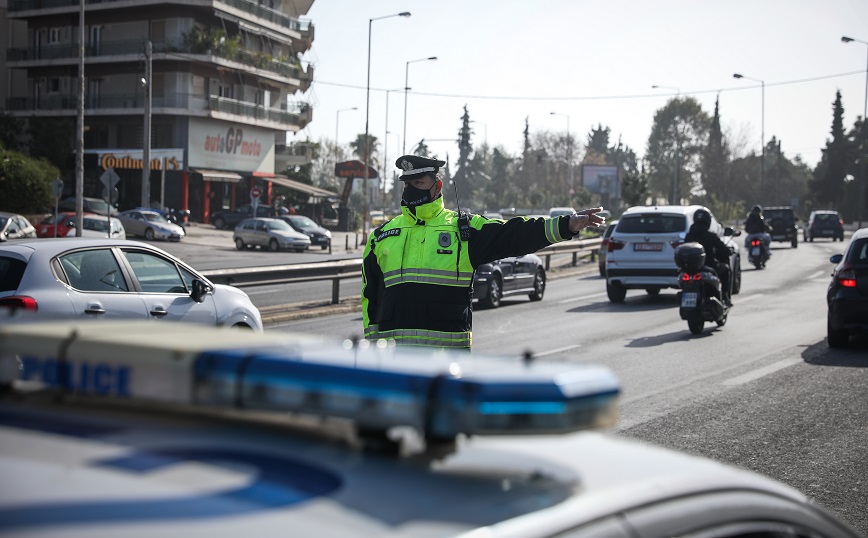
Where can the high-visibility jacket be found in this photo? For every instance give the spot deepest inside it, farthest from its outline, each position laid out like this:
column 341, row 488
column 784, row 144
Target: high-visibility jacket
column 417, row 272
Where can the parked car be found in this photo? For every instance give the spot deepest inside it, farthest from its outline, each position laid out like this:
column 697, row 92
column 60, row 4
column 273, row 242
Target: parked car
column 604, row 246
column 641, row 249
column 847, row 296
column 84, row 278
column 783, row 222
column 15, row 226
column 557, row 211
column 824, row 223
column 272, row 234
column 89, row 205
column 97, row 226
column 58, row 224
column 150, row 225
column 230, row 218
column 318, row 235
column 522, row 275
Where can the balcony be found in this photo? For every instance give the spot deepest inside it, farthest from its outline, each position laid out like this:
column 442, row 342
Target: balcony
column 292, row 119
column 32, row 57
column 302, row 27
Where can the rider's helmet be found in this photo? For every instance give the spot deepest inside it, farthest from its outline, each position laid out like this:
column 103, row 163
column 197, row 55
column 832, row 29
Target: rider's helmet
column 758, row 209
column 702, row 217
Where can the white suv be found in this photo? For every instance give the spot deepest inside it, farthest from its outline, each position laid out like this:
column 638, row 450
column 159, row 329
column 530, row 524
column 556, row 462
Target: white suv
column 641, row 250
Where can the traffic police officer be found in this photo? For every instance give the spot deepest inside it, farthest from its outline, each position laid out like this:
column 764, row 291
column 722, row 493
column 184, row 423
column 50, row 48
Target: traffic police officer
column 417, row 272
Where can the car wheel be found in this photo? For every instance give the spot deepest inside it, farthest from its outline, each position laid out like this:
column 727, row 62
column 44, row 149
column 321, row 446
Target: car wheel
column 492, row 298
column 616, row 292
column 273, row 246
column 795, row 242
column 239, row 243
column 736, row 279
column 219, row 223
column 539, row 286
column 811, row 239
column 602, row 269
column 836, row 337
column 325, row 247
column 149, row 234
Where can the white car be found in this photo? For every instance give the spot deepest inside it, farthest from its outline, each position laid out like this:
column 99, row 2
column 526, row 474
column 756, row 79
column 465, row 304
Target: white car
column 224, row 433
column 641, row 250
column 14, row 226
column 97, row 226
column 84, row 278
column 150, row 225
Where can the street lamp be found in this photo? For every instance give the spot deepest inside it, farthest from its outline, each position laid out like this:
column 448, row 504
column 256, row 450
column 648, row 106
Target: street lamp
column 337, row 122
column 367, row 117
column 762, row 128
column 406, row 88
column 569, row 151
column 386, row 165
column 386, row 142
column 676, row 182
column 864, row 154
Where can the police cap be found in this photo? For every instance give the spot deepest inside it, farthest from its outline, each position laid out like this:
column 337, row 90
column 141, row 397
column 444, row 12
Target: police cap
column 415, row 166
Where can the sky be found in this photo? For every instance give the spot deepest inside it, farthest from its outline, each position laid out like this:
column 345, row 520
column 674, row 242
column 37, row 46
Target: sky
column 591, row 62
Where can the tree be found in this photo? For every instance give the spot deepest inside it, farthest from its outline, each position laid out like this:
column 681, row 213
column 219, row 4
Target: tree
column 673, row 155
column 26, row 183
column 465, row 150
column 358, row 146
column 715, row 170
column 421, row 149
column 52, row 139
column 598, row 141
column 831, row 172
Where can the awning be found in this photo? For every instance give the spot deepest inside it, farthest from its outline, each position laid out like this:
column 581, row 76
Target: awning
column 218, row 175
column 301, row 187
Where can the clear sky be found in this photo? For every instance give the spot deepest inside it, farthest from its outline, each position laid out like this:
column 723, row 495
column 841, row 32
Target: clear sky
column 590, row 61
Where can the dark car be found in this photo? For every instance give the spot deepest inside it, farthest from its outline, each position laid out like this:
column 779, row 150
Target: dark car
column 848, row 292
column 783, row 222
column 89, row 205
column 318, row 235
column 230, row 218
column 824, row 223
column 523, row 275
column 604, row 246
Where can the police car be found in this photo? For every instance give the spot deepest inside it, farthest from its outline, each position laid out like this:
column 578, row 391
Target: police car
column 108, row 433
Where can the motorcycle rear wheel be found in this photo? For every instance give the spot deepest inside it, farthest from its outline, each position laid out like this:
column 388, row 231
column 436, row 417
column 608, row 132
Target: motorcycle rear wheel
column 695, row 323
column 722, row 321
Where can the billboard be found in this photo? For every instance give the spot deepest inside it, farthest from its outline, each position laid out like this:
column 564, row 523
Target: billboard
column 601, row 180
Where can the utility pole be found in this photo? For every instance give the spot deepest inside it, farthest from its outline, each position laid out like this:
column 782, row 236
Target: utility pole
column 146, row 135
column 79, row 154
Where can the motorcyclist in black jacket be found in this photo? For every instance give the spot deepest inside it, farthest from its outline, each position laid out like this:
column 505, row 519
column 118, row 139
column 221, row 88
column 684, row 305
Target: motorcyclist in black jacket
column 716, row 252
column 755, row 225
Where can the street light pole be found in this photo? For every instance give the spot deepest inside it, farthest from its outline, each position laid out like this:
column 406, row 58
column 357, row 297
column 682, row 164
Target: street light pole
column 676, row 180
column 386, row 146
column 569, row 152
column 864, row 153
column 406, row 88
column 762, row 127
column 367, row 118
column 337, row 122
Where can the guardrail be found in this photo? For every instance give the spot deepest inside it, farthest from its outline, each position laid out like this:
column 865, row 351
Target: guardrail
column 337, row 270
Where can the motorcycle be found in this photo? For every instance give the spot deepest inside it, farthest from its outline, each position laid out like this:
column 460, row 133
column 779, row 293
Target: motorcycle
column 701, row 295
column 757, row 253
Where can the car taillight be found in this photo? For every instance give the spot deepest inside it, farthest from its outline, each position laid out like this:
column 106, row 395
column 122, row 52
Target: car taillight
column 615, row 245
column 846, row 277
column 676, row 243
column 19, row 301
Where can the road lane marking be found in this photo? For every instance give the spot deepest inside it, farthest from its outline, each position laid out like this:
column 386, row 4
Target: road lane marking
column 558, row 350
column 760, row 372
column 574, row 299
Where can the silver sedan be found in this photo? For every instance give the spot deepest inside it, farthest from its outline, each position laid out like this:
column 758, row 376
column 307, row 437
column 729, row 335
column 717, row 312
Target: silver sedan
column 150, row 225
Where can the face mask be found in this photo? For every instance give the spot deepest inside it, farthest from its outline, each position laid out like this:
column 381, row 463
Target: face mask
column 415, row 197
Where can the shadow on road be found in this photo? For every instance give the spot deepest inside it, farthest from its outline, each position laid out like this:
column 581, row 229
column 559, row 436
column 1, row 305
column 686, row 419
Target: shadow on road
column 853, row 356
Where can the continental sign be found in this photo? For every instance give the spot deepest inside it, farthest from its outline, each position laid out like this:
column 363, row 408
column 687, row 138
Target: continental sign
column 354, row 169
column 171, row 159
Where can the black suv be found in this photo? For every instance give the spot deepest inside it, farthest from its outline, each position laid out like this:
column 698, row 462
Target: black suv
column 229, row 218
column 824, row 223
column 783, row 223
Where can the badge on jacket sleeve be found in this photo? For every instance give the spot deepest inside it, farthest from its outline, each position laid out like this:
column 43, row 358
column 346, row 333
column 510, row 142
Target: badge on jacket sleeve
column 445, row 239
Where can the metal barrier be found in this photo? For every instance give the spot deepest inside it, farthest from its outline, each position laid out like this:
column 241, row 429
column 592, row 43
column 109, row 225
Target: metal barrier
column 337, row 270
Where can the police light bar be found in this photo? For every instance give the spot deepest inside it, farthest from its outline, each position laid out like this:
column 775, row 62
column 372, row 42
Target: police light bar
column 441, row 394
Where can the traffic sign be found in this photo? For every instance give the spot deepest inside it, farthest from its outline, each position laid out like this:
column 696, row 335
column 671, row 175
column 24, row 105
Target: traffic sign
column 110, row 195
column 255, row 192
column 109, row 178
column 58, row 188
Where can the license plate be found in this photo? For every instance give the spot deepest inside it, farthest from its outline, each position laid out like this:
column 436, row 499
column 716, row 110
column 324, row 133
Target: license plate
column 688, row 300
column 755, row 251
column 648, row 247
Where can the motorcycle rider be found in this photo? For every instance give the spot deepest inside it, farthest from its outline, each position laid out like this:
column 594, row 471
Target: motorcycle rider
column 716, row 252
column 756, row 226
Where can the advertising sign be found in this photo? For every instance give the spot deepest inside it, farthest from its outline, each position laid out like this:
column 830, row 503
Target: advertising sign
column 221, row 145
column 354, row 169
column 601, row 180
column 131, row 159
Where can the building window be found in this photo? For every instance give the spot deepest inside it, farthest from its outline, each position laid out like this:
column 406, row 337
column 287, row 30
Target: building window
column 53, row 36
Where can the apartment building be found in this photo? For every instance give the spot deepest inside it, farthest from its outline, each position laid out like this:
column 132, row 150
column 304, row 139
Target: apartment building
column 226, row 79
